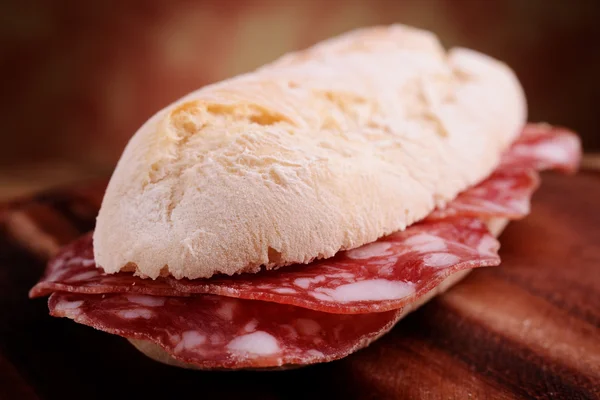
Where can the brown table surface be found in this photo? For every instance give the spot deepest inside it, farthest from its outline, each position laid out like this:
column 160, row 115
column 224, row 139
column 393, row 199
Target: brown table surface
column 527, row 329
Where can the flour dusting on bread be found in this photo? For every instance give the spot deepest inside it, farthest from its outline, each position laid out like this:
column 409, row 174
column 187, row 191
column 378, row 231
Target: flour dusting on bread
column 322, row 150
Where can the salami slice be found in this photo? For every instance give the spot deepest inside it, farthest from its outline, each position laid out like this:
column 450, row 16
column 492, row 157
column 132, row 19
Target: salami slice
column 220, row 332
column 381, row 276
column 505, row 194
column 73, row 269
column 543, row 147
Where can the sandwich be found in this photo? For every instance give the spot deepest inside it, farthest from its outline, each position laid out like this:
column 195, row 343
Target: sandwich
column 294, row 214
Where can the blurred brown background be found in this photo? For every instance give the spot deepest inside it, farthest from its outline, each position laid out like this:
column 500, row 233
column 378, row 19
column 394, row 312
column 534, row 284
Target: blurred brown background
column 79, row 77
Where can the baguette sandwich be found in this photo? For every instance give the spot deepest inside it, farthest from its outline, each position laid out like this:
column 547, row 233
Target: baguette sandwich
column 292, row 215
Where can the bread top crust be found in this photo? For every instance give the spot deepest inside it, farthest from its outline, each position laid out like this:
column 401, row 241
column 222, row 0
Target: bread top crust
column 322, row 150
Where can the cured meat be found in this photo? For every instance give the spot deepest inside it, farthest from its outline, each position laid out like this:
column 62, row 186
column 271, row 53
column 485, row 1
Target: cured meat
column 381, row 276
column 505, row 194
column 543, row 147
column 73, row 269
column 218, row 332
column 388, row 274
column 307, row 313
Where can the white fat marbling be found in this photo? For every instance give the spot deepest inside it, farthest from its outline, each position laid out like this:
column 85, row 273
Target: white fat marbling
column 175, row 338
column 55, row 275
column 377, row 249
column 441, row 260
column 304, row 283
column 321, row 296
column 488, row 245
column 148, row 301
column 251, row 326
column 386, row 270
column 86, row 262
column 73, row 260
column 190, row 340
column 502, row 185
column 68, row 306
column 259, row 342
column 315, row 353
column 552, row 151
column 348, row 275
column 425, row 243
column 82, row 276
column 226, row 310
column 284, row 290
column 370, row 290
column 521, row 205
column 136, row 313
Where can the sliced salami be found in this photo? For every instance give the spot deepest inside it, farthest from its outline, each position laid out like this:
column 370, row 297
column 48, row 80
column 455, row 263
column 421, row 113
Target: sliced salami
column 220, row 332
column 384, row 275
column 506, row 194
column 388, row 274
column 541, row 147
column 310, row 313
column 73, row 269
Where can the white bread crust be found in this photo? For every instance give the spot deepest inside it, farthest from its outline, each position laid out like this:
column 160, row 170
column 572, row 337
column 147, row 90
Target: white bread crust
column 322, row 150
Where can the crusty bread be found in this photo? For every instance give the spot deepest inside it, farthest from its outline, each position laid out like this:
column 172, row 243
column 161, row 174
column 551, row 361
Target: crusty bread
column 155, row 352
column 325, row 149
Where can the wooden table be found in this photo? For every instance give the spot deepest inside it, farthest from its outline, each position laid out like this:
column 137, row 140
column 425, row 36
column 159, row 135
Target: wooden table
column 527, row 329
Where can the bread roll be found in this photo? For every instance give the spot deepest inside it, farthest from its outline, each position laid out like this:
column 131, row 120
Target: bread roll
column 323, row 150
